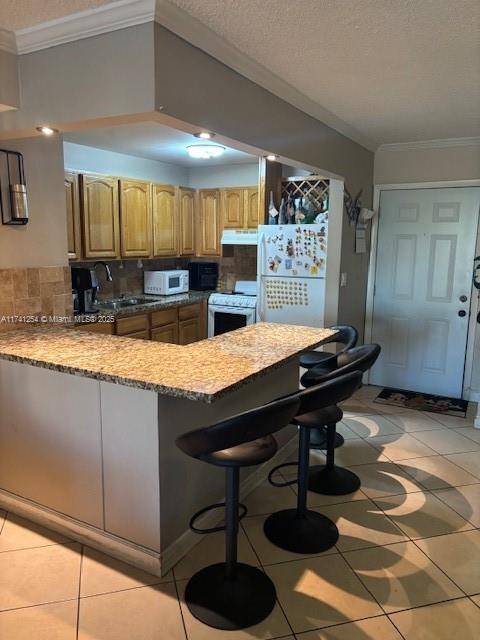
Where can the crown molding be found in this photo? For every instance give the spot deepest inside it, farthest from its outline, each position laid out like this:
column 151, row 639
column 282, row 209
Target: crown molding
column 196, row 33
column 84, row 24
column 430, row 144
column 7, row 41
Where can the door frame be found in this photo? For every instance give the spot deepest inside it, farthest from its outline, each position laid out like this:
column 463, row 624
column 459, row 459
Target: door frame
column 372, row 267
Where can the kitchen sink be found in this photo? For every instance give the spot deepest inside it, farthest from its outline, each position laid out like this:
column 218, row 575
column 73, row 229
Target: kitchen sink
column 123, row 303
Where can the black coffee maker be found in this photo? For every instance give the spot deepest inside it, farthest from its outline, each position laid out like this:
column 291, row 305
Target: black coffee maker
column 84, row 289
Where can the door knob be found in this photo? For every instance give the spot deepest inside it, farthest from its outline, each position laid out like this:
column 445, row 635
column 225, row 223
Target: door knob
column 462, row 313
column 463, row 298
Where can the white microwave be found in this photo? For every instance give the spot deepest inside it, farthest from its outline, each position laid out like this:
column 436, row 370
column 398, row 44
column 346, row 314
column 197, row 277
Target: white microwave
column 165, row 283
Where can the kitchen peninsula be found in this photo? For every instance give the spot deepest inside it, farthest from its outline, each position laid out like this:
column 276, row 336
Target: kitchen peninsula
column 88, row 426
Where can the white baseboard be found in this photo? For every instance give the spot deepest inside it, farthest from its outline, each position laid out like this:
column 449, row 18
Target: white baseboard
column 141, row 557
column 189, row 539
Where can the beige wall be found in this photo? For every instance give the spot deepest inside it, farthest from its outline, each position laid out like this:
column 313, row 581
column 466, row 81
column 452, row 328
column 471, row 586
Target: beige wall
column 428, row 165
column 141, row 68
column 9, row 90
column 435, row 165
column 103, row 76
column 43, row 241
column 194, row 87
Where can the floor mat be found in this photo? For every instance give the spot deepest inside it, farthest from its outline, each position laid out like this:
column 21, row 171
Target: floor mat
column 423, row 402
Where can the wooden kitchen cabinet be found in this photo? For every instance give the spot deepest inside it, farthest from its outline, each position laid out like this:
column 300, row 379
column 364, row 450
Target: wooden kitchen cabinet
column 186, row 219
column 139, row 335
column 165, row 224
column 135, row 219
column 189, row 331
column 251, row 208
column 72, row 202
column 233, row 208
column 133, row 325
column 166, row 333
column 106, row 328
column 240, row 208
column 190, row 323
column 100, row 217
column 209, row 223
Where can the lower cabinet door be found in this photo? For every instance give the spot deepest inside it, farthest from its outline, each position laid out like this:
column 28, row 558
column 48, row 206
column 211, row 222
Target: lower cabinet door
column 189, row 330
column 140, row 335
column 167, row 333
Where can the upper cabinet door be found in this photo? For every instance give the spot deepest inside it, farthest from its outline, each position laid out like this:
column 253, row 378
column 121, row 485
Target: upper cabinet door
column 72, row 202
column 135, row 218
column 210, row 226
column 186, row 204
column 232, row 208
column 100, row 217
column 252, row 218
column 165, row 224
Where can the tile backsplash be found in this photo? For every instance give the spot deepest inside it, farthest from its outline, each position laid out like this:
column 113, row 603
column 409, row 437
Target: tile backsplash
column 237, row 263
column 42, row 292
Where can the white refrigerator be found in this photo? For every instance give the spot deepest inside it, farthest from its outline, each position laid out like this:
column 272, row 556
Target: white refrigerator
column 291, row 268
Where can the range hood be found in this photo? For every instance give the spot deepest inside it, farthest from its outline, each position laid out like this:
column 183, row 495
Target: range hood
column 239, row 236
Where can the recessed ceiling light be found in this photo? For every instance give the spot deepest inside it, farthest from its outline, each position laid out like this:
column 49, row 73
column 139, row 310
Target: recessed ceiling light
column 205, row 151
column 47, row 131
column 204, row 135
column 272, row 157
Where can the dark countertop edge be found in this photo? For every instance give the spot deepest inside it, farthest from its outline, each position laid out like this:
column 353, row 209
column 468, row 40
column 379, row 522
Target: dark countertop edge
column 172, row 392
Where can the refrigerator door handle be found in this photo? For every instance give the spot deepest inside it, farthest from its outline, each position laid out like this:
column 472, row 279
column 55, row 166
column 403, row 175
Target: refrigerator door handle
column 260, row 285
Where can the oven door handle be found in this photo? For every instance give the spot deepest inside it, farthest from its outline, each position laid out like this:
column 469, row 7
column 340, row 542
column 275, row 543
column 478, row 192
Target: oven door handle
column 240, row 311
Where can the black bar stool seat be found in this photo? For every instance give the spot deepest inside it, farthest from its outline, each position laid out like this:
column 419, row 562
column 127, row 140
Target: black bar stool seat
column 329, row 479
column 302, row 530
column 324, row 364
column 247, row 454
column 346, row 335
column 232, row 595
column 327, row 415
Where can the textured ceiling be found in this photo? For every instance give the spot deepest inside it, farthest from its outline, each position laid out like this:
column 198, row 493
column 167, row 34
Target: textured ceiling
column 18, row 14
column 155, row 142
column 396, row 70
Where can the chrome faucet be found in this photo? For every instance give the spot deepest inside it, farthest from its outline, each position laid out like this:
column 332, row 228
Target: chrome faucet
column 107, row 269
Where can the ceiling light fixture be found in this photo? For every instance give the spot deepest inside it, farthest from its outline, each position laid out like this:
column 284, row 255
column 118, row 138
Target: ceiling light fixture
column 204, row 135
column 205, row 151
column 272, row 157
column 47, row 131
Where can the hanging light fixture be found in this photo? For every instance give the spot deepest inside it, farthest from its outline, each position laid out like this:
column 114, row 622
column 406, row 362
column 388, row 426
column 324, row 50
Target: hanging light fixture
column 205, row 151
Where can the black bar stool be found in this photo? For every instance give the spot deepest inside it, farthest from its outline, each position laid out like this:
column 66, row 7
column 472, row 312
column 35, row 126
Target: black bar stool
column 326, row 362
column 329, row 479
column 301, row 530
column 346, row 335
column 232, row 595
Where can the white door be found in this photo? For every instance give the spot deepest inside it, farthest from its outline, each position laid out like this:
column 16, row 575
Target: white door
column 299, row 301
column 426, row 244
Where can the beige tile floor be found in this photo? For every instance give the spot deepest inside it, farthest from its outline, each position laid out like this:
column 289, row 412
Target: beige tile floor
column 407, row 564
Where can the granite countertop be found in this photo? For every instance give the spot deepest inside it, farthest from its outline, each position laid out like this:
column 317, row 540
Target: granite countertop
column 205, row 370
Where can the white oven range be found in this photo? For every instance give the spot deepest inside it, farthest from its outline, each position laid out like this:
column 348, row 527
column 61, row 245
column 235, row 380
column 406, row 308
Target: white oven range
column 232, row 310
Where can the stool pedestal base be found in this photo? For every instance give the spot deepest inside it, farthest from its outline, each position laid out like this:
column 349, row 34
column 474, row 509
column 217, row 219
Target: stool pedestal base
column 318, row 439
column 230, row 603
column 311, row 533
column 334, row 481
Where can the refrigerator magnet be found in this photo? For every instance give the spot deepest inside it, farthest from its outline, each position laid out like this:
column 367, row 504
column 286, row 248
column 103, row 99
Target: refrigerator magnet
column 288, row 264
